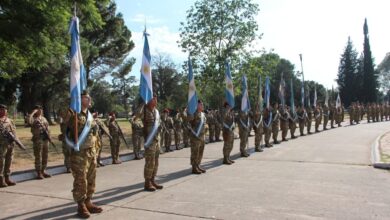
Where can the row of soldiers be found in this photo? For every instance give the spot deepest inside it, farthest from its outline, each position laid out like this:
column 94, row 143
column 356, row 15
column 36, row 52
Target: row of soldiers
column 375, row 112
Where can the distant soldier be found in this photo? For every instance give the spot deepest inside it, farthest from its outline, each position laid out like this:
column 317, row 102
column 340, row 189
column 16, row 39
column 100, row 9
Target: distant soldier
column 267, row 126
column 352, row 113
column 115, row 142
column 167, row 126
column 369, row 112
column 257, row 119
column 292, row 124
column 376, row 112
column 309, row 118
column 243, row 128
column 382, row 111
column 64, row 115
column 301, row 119
column 178, row 131
column 39, row 126
column 339, row 117
column 275, row 123
column 325, row 113
column 137, row 129
column 197, row 123
column 228, row 133
column 387, row 111
column 218, row 124
column 342, row 112
column 284, row 118
column 358, row 112
column 6, row 147
column 102, row 129
column 150, row 118
column 211, row 122
column 332, row 114
column 317, row 117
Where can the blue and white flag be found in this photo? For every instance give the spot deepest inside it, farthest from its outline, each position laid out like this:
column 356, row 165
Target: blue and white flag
column 78, row 80
column 326, row 98
column 303, row 94
column 315, row 97
column 245, row 104
column 192, row 97
column 338, row 101
column 146, row 89
column 229, row 93
column 292, row 102
column 308, row 99
column 260, row 94
column 282, row 86
column 267, row 92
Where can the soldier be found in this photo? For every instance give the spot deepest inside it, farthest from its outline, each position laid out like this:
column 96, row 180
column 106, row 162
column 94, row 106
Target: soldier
column 292, row 124
column 301, row 119
column 275, row 123
column 211, row 123
column 257, row 119
column 332, row 115
column 167, row 129
column 284, row 117
column 64, row 115
column 267, row 126
column 339, row 113
column 137, row 129
column 197, row 123
column 183, row 116
column 178, row 125
column 228, row 133
column 352, row 113
column 369, row 112
column 115, row 142
column 243, row 128
column 317, row 117
column 381, row 111
column 151, row 118
column 325, row 113
column 6, row 147
column 40, row 141
column 99, row 138
column 358, row 112
column 309, row 118
column 83, row 161
column 376, row 112
column 218, row 124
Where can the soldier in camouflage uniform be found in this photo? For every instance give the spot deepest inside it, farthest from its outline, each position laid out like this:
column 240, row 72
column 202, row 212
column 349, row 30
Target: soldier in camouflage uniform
column 99, row 138
column 6, row 148
column 284, row 117
column 197, row 123
column 178, row 125
column 218, row 124
column 325, row 113
column 243, row 128
column 115, row 142
column 339, row 113
column 257, row 119
column 150, row 117
column 183, row 116
column 358, row 112
column 137, row 129
column 309, row 118
column 267, row 126
column 83, row 162
column 381, row 112
column 211, row 123
column 293, row 123
column 40, row 141
column 369, row 112
column 352, row 113
column 317, row 117
column 275, row 123
column 64, row 115
column 228, row 133
column 167, row 127
column 332, row 115
column 301, row 119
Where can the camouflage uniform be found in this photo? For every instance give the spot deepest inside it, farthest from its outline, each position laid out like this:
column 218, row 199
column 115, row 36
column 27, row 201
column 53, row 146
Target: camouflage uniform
column 332, row 115
column 267, row 126
column 211, row 123
column 6, row 152
column 243, row 128
column 275, row 125
column 325, row 113
column 167, row 130
column 137, row 129
column 358, row 112
column 197, row 142
column 284, row 117
column 40, row 143
column 317, row 117
column 99, row 140
column 301, row 119
column 309, row 119
column 115, row 142
column 293, row 123
column 228, row 135
column 63, row 113
column 178, row 124
column 352, row 113
column 218, row 124
column 258, row 128
column 369, row 113
column 183, row 116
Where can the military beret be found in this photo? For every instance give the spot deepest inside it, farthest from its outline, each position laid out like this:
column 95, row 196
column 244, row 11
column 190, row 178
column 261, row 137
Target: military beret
column 166, row 110
column 2, row 106
column 84, row 92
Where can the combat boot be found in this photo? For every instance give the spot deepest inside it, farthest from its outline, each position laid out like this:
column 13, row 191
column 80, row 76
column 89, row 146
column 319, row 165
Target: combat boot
column 2, row 183
column 68, row 170
column 195, row 170
column 201, row 169
column 258, row 149
column 137, row 156
column 82, row 210
column 39, row 175
column 226, row 161
column 231, row 161
column 9, row 182
column 157, row 186
column 148, row 186
column 45, row 175
column 92, row 208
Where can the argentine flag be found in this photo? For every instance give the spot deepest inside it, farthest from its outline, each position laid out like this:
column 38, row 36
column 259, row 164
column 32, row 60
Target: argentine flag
column 229, row 86
column 338, row 101
column 146, row 89
column 77, row 72
column 267, row 92
column 245, row 104
column 192, row 97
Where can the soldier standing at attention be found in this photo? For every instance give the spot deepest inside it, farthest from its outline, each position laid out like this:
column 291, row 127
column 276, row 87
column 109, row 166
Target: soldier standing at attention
column 267, row 126
column 332, row 114
column 309, row 118
column 183, row 116
column 137, row 129
column 40, row 141
column 317, row 117
column 99, row 138
column 275, row 123
column 258, row 128
column 228, row 133
column 83, row 162
column 167, row 123
column 218, row 124
column 301, row 119
column 293, row 123
column 178, row 124
column 351, row 112
column 243, row 128
column 326, row 116
column 284, row 117
column 6, row 147
column 211, row 123
column 197, row 123
column 64, row 115
column 115, row 142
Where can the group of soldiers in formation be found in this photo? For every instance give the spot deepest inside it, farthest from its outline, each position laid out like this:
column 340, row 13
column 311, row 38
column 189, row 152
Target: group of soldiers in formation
column 155, row 132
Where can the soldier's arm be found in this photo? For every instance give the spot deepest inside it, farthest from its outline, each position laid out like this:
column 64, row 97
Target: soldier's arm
column 138, row 113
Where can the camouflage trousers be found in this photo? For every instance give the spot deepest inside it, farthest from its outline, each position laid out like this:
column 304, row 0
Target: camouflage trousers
column 258, row 136
column 211, row 132
column 115, row 144
column 41, row 151
column 301, row 126
column 243, row 139
column 217, row 132
column 332, row 120
column 151, row 155
column 228, row 141
column 177, row 137
column 137, row 142
column 6, row 155
column 326, row 119
column 284, row 128
column 185, row 137
column 168, row 139
column 66, row 153
column 351, row 118
column 267, row 135
column 197, row 149
column 293, row 127
column 317, row 124
column 309, row 122
column 275, row 131
column 83, row 165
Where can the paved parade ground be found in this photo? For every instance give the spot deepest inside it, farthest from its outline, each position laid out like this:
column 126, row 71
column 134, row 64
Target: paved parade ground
column 321, row 176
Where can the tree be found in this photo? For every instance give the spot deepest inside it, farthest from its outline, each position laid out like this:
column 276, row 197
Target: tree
column 102, row 97
column 347, row 75
column 370, row 83
column 121, row 82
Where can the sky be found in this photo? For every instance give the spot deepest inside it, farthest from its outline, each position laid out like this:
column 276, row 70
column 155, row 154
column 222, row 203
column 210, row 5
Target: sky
column 317, row 29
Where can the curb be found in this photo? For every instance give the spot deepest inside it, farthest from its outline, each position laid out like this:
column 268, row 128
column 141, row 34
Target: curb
column 375, row 154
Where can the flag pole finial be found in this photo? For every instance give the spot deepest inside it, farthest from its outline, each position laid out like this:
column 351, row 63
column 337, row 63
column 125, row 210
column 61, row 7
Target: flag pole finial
column 75, row 8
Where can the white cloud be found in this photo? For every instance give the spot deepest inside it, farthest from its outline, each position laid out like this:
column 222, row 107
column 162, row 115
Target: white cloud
column 141, row 18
